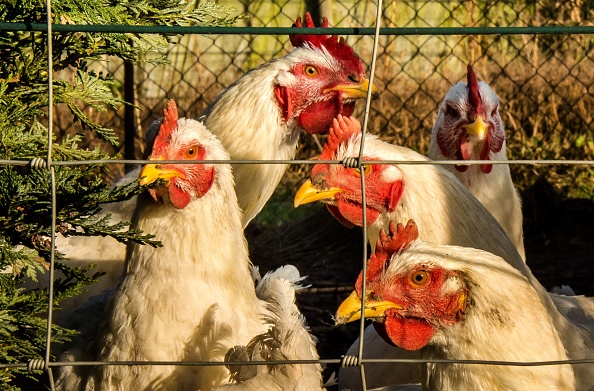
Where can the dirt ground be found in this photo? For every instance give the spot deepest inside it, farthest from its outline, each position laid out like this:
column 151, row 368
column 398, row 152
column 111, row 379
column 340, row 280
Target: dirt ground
column 558, row 239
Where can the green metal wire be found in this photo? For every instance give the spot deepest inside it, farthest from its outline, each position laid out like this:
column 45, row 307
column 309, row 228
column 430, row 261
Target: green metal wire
column 376, row 34
column 527, row 30
column 50, row 132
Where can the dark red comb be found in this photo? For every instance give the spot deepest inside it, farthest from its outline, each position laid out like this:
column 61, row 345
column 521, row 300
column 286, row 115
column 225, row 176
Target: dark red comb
column 474, row 97
column 334, row 44
column 343, row 128
column 168, row 125
column 316, row 40
column 400, row 238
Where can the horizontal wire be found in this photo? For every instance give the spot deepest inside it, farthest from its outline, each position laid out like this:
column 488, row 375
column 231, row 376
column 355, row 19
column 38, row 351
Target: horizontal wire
column 480, row 362
column 304, row 362
column 122, row 29
column 531, row 162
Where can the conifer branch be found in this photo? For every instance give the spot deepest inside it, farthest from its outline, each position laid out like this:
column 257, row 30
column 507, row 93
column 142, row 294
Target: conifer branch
column 25, row 196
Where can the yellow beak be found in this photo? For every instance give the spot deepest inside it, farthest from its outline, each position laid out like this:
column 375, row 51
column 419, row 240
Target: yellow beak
column 356, row 91
column 309, row 193
column 477, row 128
column 152, row 172
column 350, row 309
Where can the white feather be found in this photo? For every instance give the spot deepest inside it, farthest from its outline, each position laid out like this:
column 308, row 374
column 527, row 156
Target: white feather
column 292, row 340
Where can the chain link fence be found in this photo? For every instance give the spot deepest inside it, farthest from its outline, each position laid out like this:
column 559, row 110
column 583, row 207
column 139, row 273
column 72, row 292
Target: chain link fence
column 545, row 82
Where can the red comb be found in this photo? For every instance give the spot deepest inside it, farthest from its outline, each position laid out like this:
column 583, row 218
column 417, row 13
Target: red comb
column 168, row 125
column 343, row 128
column 400, row 238
column 316, row 40
column 334, row 45
column 474, row 97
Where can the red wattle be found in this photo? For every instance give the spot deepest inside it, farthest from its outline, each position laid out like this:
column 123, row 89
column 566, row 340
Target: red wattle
column 465, row 148
column 348, row 109
column 486, row 168
column 459, row 167
column 317, row 117
column 407, row 333
column 354, row 213
column 336, row 214
column 463, row 153
column 178, row 198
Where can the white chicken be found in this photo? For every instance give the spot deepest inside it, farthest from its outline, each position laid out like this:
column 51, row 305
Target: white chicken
column 435, row 199
column 259, row 117
column 468, row 127
column 193, row 298
column 275, row 102
column 462, row 304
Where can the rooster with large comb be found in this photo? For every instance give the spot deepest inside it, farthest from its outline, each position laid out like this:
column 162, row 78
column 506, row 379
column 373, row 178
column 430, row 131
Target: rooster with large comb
column 194, row 298
column 462, row 304
column 469, row 127
column 261, row 115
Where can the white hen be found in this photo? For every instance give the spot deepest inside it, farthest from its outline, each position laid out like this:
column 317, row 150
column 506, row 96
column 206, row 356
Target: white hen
column 463, row 304
column 279, row 100
column 469, row 127
column 193, row 298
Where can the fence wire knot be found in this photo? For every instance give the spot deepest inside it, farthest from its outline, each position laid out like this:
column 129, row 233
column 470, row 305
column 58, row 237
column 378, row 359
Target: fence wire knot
column 37, row 163
column 350, row 162
column 349, row 361
column 36, row 364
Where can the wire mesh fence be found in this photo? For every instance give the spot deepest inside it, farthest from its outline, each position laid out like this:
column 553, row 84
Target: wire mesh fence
column 545, row 82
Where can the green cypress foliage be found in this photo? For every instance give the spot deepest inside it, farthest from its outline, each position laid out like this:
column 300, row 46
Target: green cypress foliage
column 25, row 193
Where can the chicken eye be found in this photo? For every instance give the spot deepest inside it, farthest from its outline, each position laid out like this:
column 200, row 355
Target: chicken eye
column 310, row 71
column 192, row 152
column 452, row 113
column 364, row 168
column 419, row 278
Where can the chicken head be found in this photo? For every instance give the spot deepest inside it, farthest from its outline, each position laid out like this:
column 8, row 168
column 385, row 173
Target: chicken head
column 407, row 301
column 175, row 142
column 325, row 78
column 468, row 125
column 340, row 187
